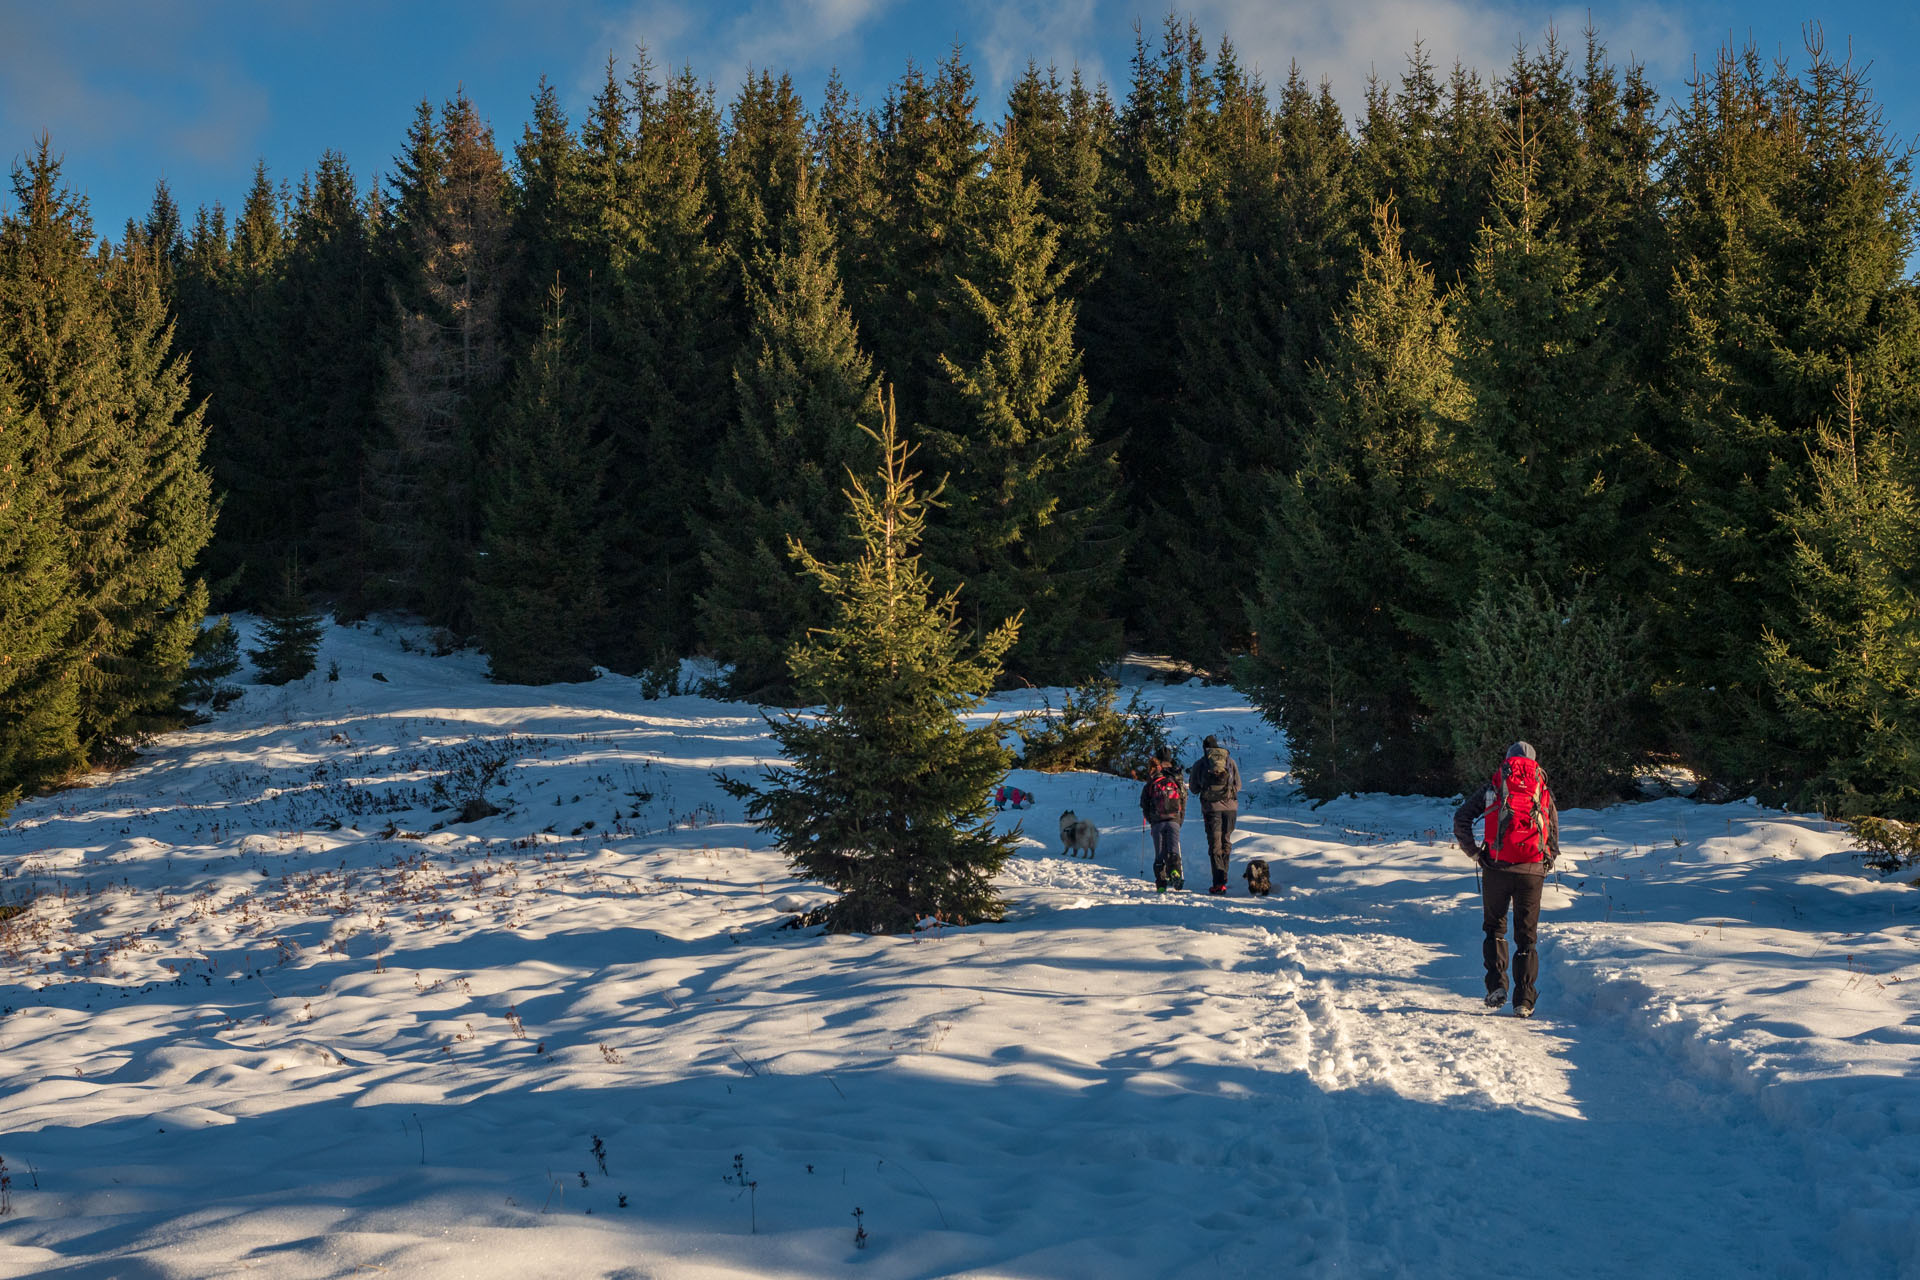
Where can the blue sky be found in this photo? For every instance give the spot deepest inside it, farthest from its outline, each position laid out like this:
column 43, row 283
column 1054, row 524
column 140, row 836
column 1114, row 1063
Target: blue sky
column 197, row 90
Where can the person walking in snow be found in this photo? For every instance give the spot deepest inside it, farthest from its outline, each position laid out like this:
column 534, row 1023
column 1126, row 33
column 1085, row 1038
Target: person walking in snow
column 1215, row 778
column 1163, row 803
column 1518, row 841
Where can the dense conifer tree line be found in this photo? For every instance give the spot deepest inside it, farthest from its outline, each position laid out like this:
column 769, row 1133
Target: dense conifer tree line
column 1201, row 361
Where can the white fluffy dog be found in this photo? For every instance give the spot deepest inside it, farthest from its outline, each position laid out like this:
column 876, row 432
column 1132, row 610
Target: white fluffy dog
column 1078, row 836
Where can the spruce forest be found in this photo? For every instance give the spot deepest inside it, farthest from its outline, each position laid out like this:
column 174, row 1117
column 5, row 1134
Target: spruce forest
column 1534, row 402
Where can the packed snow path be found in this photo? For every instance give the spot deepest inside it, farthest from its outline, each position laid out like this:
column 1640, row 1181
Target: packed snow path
column 241, row 1040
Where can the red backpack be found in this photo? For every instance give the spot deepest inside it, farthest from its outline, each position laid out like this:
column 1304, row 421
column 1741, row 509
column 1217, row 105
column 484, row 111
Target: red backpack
column 1165, row 796
column 1517, row 818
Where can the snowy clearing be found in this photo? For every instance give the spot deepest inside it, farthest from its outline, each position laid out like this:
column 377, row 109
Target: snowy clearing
column 238, row 1039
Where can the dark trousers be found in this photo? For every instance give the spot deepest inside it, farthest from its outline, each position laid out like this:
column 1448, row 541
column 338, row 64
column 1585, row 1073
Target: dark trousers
column 1521, row 892
column 1220, row 841
column 1166, row 853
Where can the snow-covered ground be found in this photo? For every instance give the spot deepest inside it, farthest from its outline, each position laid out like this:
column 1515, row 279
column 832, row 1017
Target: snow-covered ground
column 275, row 1014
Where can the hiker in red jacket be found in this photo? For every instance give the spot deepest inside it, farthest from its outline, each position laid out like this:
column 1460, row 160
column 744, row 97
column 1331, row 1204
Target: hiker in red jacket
column 1518, row 840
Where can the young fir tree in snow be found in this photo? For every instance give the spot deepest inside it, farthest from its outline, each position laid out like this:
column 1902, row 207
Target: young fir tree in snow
column 886, row 799
column 1335, row 661
column 538, row 598
column 289, row 634
column 216, row 659
column 805, row 394
column 1029, row 518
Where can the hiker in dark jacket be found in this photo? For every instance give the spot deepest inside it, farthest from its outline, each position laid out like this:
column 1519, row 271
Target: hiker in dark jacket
column 1215, row 778
column 1163, row 803
column 1516, row 845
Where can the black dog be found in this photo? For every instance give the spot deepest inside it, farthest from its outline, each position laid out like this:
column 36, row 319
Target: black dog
column 1259, row 883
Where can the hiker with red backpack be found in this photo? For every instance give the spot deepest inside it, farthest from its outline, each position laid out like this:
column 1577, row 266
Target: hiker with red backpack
column 1518, row 843
column 1163, row 803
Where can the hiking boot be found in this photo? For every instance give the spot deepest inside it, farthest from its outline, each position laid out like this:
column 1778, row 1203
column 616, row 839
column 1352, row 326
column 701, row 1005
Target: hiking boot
column 1160, row 886
column 1523, row 1011
column 1496, row 998
column 1219, row 888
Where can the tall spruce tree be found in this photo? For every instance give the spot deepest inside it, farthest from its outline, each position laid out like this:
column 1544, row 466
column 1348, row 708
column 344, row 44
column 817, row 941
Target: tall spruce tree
column 1846, row 668
column 666, row 369
column 1399, row 158
column 762, row 155
column 38, row 710
column 118, row 454
column 131, row 691
column 1031, row 515
column 846, row 163
column 1541, row 474
column 1161, row 176
column 1792, row 217
column 886, row 799
column 1336, row 658
column 444, row 367
column 546, row 213
column 322, row 387
column 538, row 598
column 931, row 149
column 805, row 405
column 234, row 321
column 1278, row 258
column 1063, row 136
column 60, row 347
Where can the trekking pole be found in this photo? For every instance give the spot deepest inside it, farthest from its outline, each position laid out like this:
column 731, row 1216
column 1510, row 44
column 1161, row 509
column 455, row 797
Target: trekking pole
column 1143, row 848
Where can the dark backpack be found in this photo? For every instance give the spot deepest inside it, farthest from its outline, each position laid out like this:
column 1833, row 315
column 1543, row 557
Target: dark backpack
column 1214, row 781
column 1163, row 797
column 1517, row 819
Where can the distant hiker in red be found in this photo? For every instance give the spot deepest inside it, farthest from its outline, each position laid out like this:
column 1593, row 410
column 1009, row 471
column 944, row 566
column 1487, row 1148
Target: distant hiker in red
column 1163, row 803
column 1215, row 778
column 1519, row 839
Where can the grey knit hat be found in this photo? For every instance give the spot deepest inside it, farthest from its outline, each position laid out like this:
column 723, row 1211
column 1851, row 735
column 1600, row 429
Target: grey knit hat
column 1521, row 749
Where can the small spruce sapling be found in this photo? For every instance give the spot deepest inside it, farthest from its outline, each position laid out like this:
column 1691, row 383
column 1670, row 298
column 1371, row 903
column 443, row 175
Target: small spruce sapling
column 290, row 636
column 216, row 657
column 886, row 796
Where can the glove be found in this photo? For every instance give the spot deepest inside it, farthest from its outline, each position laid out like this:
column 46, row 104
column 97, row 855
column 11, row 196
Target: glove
column 1550, row 860
column 1484, row 856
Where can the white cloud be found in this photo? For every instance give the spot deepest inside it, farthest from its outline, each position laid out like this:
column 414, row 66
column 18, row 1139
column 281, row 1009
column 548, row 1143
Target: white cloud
column 804, row 37
column 1349, row 40
column 1007, row 34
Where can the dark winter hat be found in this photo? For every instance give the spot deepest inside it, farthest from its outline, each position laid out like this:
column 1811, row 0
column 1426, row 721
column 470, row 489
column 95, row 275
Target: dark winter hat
column 1209, row 742
column 1164, row 754
column 1521, row 749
